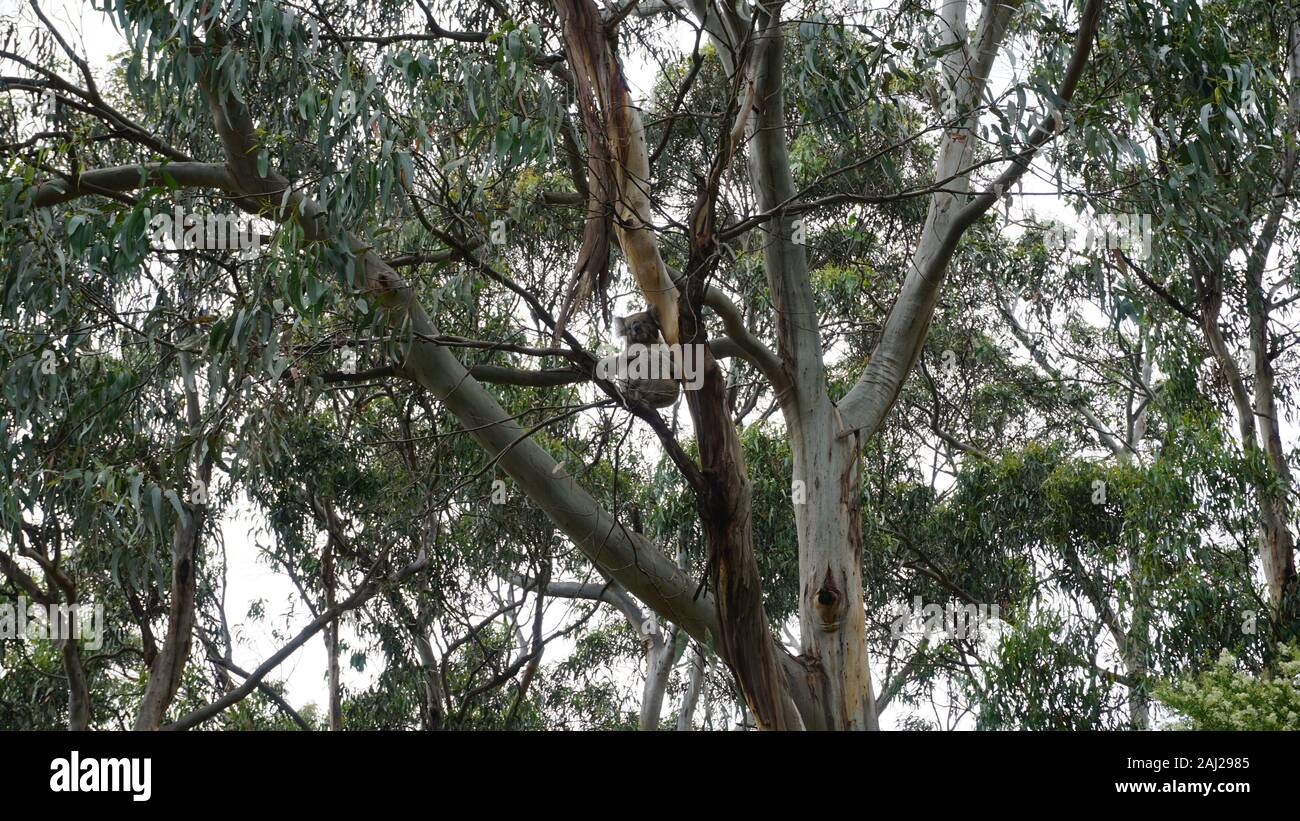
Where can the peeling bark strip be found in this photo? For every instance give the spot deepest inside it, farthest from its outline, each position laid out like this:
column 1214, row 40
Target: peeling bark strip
column 587, row 54
column 618, row 168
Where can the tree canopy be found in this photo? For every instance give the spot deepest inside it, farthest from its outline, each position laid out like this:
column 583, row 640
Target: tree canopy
column 992, row 305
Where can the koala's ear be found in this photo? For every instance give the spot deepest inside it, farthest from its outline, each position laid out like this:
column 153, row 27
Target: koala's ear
column 654, row 315
column 618, row 326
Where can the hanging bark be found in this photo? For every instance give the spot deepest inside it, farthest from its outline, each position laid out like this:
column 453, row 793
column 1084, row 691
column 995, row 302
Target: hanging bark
column 618, row 167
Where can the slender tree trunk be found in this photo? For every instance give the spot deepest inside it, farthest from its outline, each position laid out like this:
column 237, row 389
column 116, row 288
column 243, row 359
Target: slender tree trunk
column 1137, row 641
column 78, row 686
column 694, row 689
column 434, row 711
column 169, row 665
column 1276, row 543
column 659, row 652
column 332, row 640
column 1135, row 649
column 417, row 623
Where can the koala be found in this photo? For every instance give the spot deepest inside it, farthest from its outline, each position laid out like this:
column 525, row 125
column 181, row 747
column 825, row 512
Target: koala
column 650, row 357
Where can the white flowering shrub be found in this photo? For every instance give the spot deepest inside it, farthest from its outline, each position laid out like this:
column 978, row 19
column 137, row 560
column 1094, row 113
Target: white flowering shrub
column 1227, row 698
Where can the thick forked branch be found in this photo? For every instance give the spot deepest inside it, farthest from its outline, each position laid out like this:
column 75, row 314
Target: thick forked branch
column 865, row 407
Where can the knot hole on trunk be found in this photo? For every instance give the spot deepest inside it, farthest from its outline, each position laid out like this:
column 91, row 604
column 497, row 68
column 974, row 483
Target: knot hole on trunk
column 827, row 602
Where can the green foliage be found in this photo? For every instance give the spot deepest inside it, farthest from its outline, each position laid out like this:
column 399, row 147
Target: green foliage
column 983, row 485
column 1038, row 683
column 1226, row 697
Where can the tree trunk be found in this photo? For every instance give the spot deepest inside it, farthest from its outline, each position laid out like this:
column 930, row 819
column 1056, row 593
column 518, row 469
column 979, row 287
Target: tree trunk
column 828, row 522
column 694, row 688
column 169, row 665
column 726, row 514
column 832, row 619
column 1276, row 543
column 332, row 640
column 659, row 650
column 78, row 686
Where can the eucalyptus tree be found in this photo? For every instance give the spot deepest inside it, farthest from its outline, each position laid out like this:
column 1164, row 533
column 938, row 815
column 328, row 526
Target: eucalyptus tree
column 1205, row 148
column 453, row 191
column 1142, row 360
